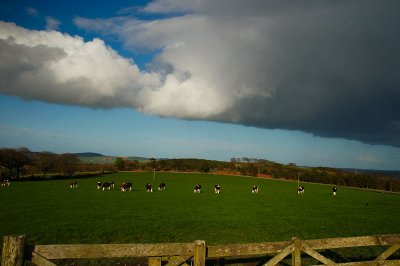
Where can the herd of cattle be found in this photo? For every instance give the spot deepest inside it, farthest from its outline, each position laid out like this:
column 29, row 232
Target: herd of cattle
column 128, row 187
column 197, row 189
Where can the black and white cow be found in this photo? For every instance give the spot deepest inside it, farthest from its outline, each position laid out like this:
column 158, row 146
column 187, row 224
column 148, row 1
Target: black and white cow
column 197, row 188
column 74, row 184
column 254, row 189
column 126, row 186
column 149, row 187
column 217, row 188
column 106, row 185
column 161, row 186
column 300, row 190
column 99, row 185
column 5, row 183
column 334, row 190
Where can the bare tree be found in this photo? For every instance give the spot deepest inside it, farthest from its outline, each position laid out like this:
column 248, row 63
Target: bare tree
column 15, row 159
column 68, row 163
column 119, row 163
column 45, row 161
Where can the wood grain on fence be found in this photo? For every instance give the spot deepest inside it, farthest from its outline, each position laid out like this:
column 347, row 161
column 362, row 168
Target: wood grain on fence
column 113, row 250
column 13, row 250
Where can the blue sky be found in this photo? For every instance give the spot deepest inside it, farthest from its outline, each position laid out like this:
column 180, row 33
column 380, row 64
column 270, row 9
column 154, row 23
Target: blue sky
column 200, row 80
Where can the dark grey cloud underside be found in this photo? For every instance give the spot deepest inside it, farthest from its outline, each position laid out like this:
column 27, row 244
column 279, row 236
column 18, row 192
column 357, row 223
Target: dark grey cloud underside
column 335, row 71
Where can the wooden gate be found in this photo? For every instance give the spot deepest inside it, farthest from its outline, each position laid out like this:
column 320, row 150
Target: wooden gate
column 15, row 251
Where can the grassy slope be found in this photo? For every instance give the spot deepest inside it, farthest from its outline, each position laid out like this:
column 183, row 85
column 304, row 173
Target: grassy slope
column 98, row 159
column 50, row 212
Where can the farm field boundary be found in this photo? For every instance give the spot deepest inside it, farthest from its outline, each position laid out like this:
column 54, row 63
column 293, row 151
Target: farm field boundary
column 16, row 252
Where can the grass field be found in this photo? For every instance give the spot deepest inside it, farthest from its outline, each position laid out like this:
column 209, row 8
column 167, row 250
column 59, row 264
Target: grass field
column 50, row 212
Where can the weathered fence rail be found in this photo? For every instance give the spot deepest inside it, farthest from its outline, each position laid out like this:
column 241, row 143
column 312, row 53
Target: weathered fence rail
column 15, row 251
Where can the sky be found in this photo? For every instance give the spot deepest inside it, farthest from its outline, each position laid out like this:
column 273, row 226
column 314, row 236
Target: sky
column 315, row 83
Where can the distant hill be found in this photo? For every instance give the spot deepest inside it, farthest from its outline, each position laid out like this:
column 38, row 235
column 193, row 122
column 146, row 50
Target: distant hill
column 97, row 158
column 89, row 154
column 136, row 158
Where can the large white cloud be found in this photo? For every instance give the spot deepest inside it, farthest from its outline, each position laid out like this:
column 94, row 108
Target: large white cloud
column 50, row 66
column 55, row 67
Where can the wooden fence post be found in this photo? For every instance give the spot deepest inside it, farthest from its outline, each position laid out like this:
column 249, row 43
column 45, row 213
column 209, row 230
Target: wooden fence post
column 199, row 253
column 296, row 254
column 13, row 250
column 154, row 261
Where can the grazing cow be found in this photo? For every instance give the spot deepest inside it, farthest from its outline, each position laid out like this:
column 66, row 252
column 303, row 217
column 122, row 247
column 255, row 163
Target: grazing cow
column 254, row 189
column 334, row 190
column 149, row 188
column 161, row 186
column 5, row 183
column 126, row 186
column 217, row 188
column 197, row 188
column 74, row 184
column 106, row 185
column 99, row 185
column 300, row 190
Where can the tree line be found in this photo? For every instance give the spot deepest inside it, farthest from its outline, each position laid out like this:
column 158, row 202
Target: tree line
column 15, row 162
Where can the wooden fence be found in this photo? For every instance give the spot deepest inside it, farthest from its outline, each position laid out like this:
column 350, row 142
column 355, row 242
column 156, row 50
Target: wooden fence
column 15, row 251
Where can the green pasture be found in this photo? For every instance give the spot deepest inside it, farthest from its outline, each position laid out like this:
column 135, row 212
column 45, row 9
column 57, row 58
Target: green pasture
column 50, row 212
